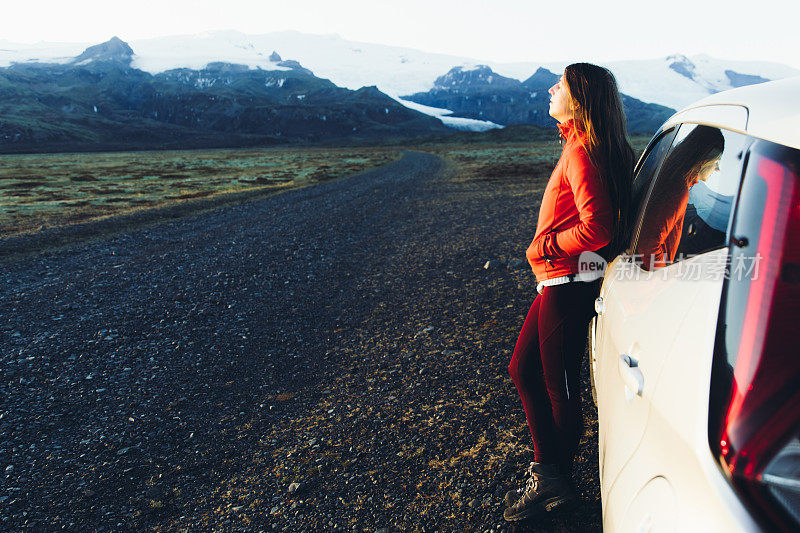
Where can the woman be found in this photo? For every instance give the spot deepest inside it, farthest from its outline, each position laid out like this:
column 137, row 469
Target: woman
column 584, row 208
column 690, row 162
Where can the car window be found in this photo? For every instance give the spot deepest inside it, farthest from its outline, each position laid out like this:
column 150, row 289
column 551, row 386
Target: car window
column 645, row 173
column 689, row 208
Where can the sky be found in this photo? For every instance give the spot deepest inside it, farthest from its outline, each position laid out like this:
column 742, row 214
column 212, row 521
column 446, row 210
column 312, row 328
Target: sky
column 497, row 30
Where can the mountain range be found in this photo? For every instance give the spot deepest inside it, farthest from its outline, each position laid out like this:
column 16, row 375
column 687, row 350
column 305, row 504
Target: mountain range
column 228, row 88
column 97, row 100
column 480, row 93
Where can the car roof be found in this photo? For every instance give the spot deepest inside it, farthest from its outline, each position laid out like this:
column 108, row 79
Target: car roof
column 769, row 110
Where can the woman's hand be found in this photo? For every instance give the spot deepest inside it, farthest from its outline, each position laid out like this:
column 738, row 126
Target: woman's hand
column 535, row 253
column 540, row 249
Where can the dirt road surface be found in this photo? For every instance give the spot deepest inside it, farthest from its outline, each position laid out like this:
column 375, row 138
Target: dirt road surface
column 328, row 358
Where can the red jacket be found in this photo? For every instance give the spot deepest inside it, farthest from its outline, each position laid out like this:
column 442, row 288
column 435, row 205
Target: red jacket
column 575, row 215
column 661, row 232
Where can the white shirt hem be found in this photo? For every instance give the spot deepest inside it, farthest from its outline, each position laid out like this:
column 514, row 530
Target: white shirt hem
column 561, row 280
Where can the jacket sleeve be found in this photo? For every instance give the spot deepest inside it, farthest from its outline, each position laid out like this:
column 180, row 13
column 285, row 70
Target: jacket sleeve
column 594, row 209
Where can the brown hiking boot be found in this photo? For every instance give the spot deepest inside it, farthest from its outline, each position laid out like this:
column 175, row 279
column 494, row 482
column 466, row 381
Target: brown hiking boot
column 513, row 495
column 546, row 489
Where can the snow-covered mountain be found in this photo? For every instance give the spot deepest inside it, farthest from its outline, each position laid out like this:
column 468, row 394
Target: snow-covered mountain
column 480, row 93
column 673, row 81
column 97, row 100
column 348, row 64
column 676, row 80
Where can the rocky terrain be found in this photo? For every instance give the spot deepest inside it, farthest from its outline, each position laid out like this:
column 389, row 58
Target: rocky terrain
column 332, row 358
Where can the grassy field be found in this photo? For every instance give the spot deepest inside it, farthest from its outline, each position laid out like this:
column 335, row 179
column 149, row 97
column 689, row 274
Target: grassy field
column 495, row 162
column 498, row 162
column 53, row 190
column 59, row 189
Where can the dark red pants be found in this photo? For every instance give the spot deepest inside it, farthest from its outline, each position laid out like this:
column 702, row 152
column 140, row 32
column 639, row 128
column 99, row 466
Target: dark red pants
column 546, row 367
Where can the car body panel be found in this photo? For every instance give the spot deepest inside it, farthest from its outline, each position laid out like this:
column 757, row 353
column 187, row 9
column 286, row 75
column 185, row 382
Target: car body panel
column 675, row 443
column 773, row 113
column 653, row 509
column 730, row 117
column 632, row 297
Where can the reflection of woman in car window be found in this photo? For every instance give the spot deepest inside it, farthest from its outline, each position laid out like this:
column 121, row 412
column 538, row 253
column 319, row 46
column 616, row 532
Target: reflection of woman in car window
column 585, row 208
column 690, row 162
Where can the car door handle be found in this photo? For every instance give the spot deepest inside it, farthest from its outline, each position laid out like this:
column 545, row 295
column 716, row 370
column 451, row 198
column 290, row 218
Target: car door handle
column 599, row 306
column 631, row 375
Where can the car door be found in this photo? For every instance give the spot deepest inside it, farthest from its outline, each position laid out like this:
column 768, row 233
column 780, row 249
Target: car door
column 674, row 447
column 616, row 440
column 663, row 304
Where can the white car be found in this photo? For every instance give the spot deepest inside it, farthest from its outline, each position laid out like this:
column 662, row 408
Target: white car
column 695, row 349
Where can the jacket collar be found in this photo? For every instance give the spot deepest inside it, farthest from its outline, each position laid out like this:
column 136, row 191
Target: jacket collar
column 569, row 130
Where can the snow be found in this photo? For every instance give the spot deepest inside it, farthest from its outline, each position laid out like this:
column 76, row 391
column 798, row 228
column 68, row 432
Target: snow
column 471, row 66
column 469, row 124
column 275, row 82
column 651, row 80
column 459, row 123
column 654, row 81
column 196, row 51
column 203, row 83
column 41, row 52
column 354, row 65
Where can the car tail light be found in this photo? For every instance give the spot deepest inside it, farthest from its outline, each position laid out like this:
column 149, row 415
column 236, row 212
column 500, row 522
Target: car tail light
column 754, row 422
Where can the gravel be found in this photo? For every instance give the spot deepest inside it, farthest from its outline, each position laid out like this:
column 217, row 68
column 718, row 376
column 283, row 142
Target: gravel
column 343, row 338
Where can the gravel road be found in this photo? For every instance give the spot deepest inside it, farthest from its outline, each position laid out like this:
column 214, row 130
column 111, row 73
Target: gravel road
column 327, row 358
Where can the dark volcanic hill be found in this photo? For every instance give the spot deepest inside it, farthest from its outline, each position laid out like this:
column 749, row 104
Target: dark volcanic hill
column 112, row 50
column 481, row 93
column 98, row 101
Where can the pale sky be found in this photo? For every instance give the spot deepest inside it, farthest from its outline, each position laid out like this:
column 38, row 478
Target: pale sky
column 498, row 30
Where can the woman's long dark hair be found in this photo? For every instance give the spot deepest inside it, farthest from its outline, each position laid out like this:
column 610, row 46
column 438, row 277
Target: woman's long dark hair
column 598, row 111
column 702, row 145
